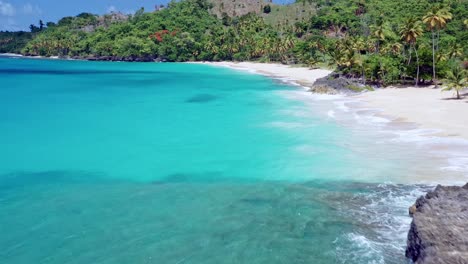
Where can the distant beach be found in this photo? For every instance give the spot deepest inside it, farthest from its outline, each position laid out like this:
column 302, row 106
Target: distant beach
column 10, row 55
column 15, row 55
column 301, row 75
column 428, row 107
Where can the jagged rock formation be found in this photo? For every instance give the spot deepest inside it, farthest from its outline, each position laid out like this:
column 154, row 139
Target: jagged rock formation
column 439, row 231
column 276, row 15
column 334, row 84
column 234, row 8
column 105, row 21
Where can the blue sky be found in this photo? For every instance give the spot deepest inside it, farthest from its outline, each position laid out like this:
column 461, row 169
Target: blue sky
column 19, row 14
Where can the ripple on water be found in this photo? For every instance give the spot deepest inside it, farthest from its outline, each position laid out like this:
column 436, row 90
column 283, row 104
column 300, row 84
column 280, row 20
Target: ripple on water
column 215, row 221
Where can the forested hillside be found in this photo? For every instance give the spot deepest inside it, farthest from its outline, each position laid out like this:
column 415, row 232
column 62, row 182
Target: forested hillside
column 14, row 42
column 377, row 41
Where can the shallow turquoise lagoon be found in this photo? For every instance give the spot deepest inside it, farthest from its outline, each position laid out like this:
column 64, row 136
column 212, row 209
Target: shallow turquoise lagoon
column 186, row 163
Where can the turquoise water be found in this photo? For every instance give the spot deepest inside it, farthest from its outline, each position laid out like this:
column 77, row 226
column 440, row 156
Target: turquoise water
column 185, row 163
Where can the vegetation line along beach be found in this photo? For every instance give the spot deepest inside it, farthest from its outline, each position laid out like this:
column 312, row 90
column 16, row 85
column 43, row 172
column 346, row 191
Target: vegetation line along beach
column 376, row 42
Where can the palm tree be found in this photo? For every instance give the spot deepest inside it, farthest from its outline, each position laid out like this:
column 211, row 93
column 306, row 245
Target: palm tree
column 457, row 80
column 410, row 31
column 455, row 51
column 442, row 57
column 359, row 46
column 338, row 28
column 436, row 19
column 393, row 48
column 299, row 29
column 312, row 62
column 380, row 31
column 211, row 47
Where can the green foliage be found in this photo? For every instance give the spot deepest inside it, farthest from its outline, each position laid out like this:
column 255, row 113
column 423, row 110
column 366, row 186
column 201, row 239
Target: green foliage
column 456, row 80
column 385, row 58
column 132, row 46
column 14, row 42
column 359, row 89
column 381, row 42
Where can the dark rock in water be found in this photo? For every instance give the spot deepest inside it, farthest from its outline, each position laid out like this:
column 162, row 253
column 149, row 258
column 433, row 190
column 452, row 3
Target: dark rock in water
column 201, row 98
column 334, row 84
column 439, row 231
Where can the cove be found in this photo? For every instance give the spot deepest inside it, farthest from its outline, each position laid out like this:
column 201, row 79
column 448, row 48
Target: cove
column 182, row 163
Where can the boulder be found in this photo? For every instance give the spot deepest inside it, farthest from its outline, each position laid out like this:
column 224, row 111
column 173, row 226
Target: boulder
column 335, row 84
column 439, row 230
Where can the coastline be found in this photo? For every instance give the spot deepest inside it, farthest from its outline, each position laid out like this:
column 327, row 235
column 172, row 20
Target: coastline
column 299, row 75
column 425, row 116
column 16, row 55
column 379, row 216
column 429, row 108
column 10, row 55
column 425, row 119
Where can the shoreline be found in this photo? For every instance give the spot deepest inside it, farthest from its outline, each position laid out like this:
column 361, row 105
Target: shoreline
column 422, row 117
column 16, row 55
column 302, row 76
column 415, row 118
column 426, row 107
column 10, row 55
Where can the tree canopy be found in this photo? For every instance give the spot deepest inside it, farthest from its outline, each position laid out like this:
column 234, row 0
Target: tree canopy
column 378, row 41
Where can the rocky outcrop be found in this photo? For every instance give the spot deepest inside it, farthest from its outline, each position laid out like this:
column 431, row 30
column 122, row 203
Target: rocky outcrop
column 334, row 84
column 104, row 21
column 237, row 8
column 439, row 230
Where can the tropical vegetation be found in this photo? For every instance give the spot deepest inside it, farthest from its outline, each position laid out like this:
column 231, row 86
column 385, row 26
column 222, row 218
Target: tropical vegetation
column 373, row 41
column 14, row 42
column 456, row 80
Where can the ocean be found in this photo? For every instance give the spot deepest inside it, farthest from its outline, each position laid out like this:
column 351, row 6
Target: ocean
column 106, row 162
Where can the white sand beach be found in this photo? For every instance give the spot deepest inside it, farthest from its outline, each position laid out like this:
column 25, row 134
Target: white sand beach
column 10, row 55
column 428, row 107
column 301, row 75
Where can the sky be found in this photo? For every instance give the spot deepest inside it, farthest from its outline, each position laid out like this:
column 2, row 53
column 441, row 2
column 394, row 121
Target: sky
column 19, row 14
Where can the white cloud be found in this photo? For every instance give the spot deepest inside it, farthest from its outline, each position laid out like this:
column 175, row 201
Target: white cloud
column 111, row 9
column 6, row 9
column 29, row 9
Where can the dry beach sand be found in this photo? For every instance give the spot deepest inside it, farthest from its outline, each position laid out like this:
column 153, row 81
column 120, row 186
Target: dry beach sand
column 428, row 107
column 301, row 75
